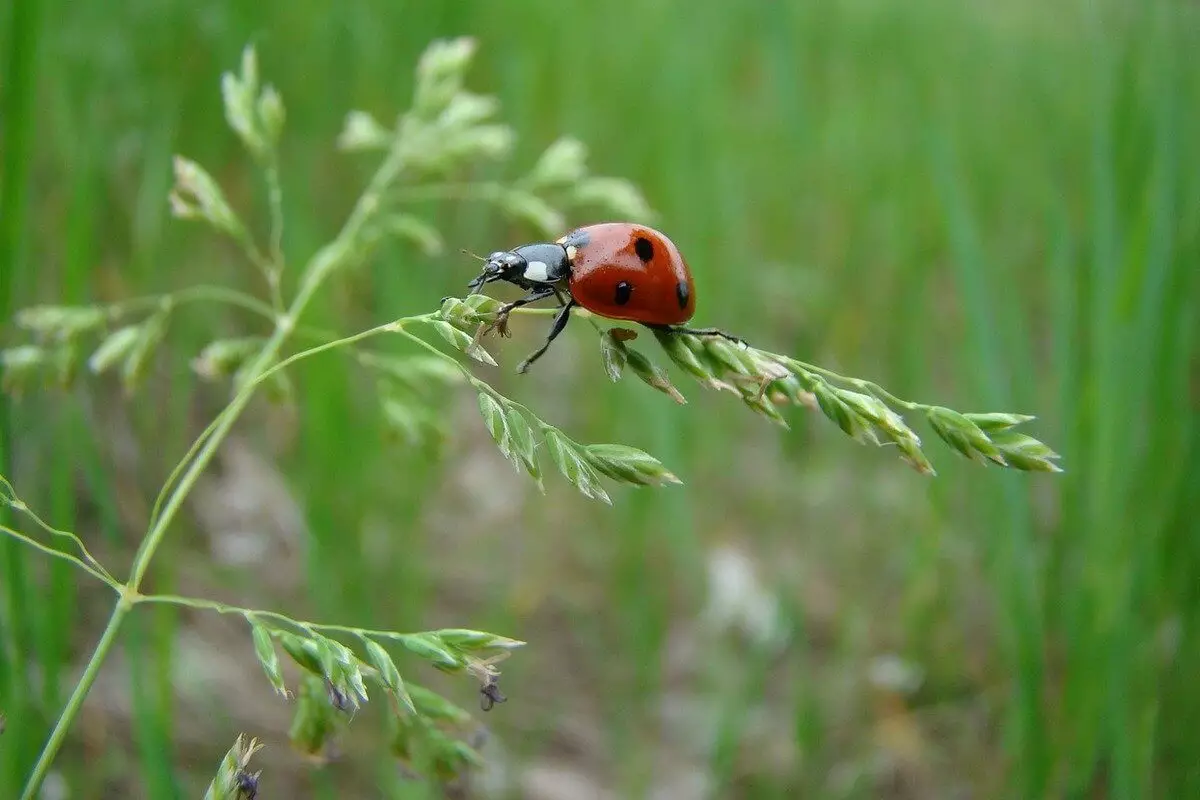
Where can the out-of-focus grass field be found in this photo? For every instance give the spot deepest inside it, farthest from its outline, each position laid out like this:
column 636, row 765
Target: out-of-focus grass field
column 986, row 206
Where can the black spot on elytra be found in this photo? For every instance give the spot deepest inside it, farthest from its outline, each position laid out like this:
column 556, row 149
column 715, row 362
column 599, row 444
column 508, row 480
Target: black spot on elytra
column 624, row 290
column 644, row 249
column 682, row 293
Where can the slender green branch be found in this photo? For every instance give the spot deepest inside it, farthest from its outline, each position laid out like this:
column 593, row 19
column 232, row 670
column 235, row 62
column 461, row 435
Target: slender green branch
column 19, row 505
column 388, row 327
column 275, row 203
column 99, row 574
column 183, row 463
column 396, row 326
column 193, row 294
column 203, row 604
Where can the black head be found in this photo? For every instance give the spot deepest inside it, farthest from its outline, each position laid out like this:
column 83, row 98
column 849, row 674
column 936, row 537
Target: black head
column 502, row 265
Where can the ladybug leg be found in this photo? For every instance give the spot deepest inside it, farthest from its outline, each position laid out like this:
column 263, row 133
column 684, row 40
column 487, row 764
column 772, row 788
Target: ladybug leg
column 699, row 332
column 501, row 323
column 560, row 322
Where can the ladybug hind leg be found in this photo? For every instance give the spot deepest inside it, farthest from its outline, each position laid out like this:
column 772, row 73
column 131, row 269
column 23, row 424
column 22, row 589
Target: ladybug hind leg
column 560, row 322
column 699, row 332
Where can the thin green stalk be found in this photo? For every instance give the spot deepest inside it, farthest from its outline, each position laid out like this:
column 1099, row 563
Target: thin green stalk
column 203, row 604
column 98, row 574
column 207, row 433
column 275, row 202
column 21, row 507
column 342, row 251
column 18, row 126
column 195, row 294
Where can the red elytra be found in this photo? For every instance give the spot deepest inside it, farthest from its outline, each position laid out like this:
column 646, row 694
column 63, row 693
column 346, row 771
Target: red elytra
column 630, row 272
column 619, row 270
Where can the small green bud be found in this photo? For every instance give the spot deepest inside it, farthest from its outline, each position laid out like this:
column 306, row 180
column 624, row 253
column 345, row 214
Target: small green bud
column 304, row 652
column 726, row 356
column 463, row 342
column 66, row 362
column 271, row 113
column 249, row 76
column 429, row 647
column 389, row 676
column 454, row 310
column 676, row 347
column 264, row 648
column 493, row 417
column 572, row 464
column 629, row 465
column 652, row 375
column 963, row 435
column 910, row 451
column 1025, row 453
column 613, row 351
column 362, row 132
column 224, row 357
column 465, row 639
column 466, row 110
column 761, row 404
column 564, row 163
column 197, row 196
column 434, row 707
column 114, row 348
column 238, row 94
column 523, row 446
column 346, row 687
column 453, row 758
column 997, row 421
column 314, row 723
column 837, row 410
column 60, row 322
column 483, row 306
column 440, row 72
column 151, row 333
column 865, row 405
column 20, row 365
column 616, row 194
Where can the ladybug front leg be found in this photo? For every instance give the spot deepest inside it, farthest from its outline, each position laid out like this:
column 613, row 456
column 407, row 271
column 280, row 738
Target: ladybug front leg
column 501, row 322
column 560, row 322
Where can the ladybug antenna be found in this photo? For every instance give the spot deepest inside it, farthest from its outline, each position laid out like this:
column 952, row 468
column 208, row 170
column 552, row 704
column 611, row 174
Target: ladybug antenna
column 465, row 251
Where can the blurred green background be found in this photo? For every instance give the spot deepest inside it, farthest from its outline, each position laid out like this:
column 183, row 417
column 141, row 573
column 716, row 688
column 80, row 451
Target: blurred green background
column 986, row 206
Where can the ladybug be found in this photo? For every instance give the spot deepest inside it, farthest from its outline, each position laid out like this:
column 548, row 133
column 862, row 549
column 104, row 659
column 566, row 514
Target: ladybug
column 618, row 270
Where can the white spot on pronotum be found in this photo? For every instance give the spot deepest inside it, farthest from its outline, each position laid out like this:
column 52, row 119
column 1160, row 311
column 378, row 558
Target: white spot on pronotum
column 571, row 251
column 537, row 271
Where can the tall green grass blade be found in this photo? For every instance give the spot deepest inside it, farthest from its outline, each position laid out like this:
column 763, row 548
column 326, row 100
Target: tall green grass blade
column 1011, row 548
column 18, row 91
